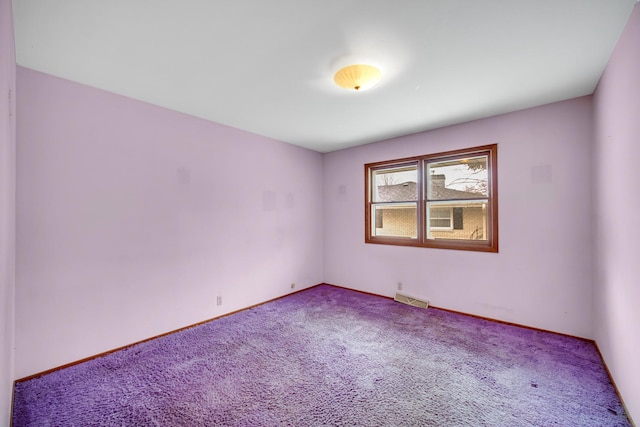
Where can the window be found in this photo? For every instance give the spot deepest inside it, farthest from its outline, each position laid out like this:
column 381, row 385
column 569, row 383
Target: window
column 445, row 200
column 440, row 218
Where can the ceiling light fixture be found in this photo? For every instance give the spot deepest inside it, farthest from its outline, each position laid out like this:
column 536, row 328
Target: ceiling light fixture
column 357, row 77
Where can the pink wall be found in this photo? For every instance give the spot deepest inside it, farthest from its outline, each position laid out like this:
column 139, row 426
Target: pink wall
column 541, row 277
column 132, row 219
column 616, row 162
column 7, row 207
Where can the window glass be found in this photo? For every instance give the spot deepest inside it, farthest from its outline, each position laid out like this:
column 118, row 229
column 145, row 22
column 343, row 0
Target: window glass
column 398, row 220
column 396, row 184
column 465, row 178
column 460, row 221
column 395, row 197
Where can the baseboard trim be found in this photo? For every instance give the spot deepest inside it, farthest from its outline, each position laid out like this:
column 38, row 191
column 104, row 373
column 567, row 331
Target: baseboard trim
column 104, row 353
column 504, row 322
column 613, row 383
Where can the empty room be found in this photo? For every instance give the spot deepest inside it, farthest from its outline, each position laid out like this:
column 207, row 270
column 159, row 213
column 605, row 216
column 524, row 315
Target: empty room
column 416, row 213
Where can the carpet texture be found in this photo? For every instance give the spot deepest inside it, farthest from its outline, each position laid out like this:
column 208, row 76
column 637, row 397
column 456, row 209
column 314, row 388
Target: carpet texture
column 330, row 356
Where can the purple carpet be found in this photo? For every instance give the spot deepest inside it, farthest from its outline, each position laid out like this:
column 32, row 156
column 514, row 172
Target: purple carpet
column 330, row 356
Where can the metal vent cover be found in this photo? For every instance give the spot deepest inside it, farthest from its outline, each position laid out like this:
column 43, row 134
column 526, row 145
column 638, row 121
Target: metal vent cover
column 406, row 299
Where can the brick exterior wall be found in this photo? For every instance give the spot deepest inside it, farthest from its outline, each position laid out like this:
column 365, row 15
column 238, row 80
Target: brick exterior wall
column 398, row 222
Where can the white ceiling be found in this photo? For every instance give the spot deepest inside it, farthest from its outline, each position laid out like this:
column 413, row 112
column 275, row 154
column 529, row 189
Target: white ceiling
column 267, row 66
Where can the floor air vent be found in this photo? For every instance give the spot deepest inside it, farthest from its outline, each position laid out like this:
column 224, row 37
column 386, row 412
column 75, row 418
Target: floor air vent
column 416, row 302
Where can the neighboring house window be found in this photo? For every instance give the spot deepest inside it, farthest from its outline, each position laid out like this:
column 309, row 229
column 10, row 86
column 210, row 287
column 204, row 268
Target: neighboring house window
column 441, row 218
column 445, row 200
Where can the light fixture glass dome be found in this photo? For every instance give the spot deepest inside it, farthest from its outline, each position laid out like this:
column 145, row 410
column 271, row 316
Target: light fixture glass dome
column 357, row 77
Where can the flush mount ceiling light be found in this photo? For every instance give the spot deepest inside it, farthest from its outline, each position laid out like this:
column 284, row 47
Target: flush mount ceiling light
column 357, row 77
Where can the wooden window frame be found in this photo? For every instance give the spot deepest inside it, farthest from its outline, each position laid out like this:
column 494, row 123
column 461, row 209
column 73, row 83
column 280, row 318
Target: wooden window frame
column 489, row 245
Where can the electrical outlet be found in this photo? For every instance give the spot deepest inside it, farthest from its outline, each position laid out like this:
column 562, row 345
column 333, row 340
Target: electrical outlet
column 399, row 286
column 293, row 286
column 219, row 300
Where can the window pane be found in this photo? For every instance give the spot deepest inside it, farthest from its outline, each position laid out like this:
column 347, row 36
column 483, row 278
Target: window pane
column 465, row 178
column 470, row 217
column 395, row 185
column 397, row 220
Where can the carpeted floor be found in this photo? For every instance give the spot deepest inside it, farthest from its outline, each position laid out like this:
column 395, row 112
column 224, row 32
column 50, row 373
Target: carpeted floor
column 330, row 356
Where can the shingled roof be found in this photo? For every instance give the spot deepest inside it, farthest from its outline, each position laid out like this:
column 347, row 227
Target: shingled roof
column 406, row 191
column 397, row 192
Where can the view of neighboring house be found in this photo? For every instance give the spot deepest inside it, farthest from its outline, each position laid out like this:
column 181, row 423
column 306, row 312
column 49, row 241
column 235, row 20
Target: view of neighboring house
column 455, row 215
